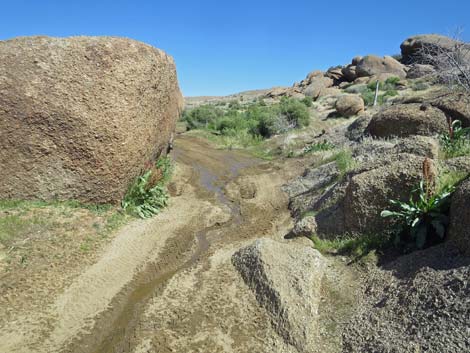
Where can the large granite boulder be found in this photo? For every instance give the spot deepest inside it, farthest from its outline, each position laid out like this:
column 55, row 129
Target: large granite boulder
column 412, row 47
column 403, row 120
column 80, row 117
column 349, row 104
column 352, row 205
column 372, row 65
column 456, row 105
column 286, row 280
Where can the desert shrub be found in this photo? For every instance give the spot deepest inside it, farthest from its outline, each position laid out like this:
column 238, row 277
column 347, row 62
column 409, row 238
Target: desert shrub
column 256, row 119
column 391, row 93
column 234, row 138
column 308, row 101
column 344, row 161
column 456, row 142
column 419, row 86
column 368, row 97
column 387, row 85
column 202, row 116
column 147, row 195
column 235, row 104
column 295, row 112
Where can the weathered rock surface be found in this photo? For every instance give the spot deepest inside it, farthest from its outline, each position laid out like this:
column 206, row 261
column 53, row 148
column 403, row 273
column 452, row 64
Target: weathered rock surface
column 279, row 92
column 420, row 146
column 404, row 120
column 336, row 74
column 81, row 116
column 420, row 70
column 356, row 130
column 411, row 48
column 459, row 231
column 349, row 73
column 286, row 280
column 353, row 204
column 317, row 87
column 349, row 105
column 417, row 303
column 455, row 105
column 373, row 65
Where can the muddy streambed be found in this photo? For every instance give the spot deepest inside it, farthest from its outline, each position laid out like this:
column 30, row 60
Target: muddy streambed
column 167, row 284
column 210, row 173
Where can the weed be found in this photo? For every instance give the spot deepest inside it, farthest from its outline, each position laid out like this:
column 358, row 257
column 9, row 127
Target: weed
column 456, row 142
column 355, row 246
column 318, row 147
column 344, row 161
column 147, row 195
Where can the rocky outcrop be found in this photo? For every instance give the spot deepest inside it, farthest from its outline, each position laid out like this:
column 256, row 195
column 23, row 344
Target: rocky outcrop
column 419, row 145
column 455, row 105
column 353, row 204
column 336, row 74
column 317, row 87
column 459, row 231
column 372, row 65
column 404, row 120
column 412, row 47
column 349, row 105
column 356, row 130
column 80, row 117
column 420, row 70
column 279, row 92
column 286, row 280
column 349, row 73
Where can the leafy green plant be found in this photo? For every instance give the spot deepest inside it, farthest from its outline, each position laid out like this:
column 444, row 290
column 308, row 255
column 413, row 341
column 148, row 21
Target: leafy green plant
column 425, row 216
column 147, row 195
column 318, row 147
column 456, row 142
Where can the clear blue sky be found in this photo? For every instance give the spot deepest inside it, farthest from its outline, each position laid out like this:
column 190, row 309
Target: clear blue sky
column 223, row 47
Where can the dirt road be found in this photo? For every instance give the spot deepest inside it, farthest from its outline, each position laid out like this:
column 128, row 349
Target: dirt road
column 167, row 284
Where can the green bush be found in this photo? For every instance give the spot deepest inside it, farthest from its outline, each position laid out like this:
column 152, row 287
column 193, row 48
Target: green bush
column 147, row 195
column 295, row 112
column 256, row 119
column 390, row 84
column 308, row 101
column 202, row 116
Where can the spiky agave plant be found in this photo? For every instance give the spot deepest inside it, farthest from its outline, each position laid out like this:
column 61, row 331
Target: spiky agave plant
column 425, row 216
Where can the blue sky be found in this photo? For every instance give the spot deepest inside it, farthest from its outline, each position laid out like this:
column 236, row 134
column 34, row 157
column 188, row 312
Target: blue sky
column 222, row 47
